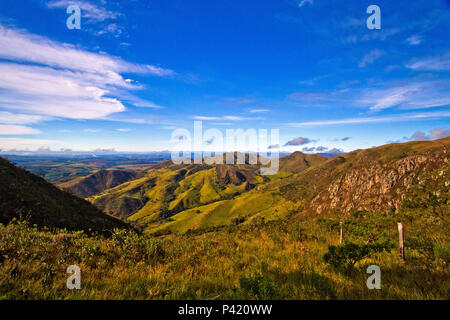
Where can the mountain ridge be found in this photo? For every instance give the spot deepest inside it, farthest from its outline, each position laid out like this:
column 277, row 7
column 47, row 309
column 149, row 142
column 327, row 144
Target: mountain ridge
column 24, row 195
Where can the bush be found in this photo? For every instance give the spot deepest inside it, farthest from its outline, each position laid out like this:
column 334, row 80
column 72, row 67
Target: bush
column 348, row 255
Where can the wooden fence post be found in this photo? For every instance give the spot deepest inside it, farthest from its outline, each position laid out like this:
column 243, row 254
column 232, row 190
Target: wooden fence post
column 341, row 235
column 400, row 241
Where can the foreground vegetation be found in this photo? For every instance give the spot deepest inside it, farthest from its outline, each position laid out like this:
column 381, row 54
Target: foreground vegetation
column 298, row 258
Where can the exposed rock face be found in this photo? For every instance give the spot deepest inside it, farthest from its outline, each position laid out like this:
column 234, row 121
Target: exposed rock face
column 229, row 174
column 383, row 185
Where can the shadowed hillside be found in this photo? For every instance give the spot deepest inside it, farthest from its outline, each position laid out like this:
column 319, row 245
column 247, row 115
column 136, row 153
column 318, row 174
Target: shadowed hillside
column 27, row 196
column 98, row 182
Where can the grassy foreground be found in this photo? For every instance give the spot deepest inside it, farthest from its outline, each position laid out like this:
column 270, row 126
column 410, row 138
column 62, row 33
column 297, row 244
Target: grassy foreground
column 275, row 260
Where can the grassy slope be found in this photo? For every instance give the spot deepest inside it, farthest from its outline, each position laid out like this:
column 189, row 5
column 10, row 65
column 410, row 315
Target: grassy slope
column 280, row 260
column 298, row 161
column 24, row 194
column 200, row 196
column 285, row 194
column 180, row 198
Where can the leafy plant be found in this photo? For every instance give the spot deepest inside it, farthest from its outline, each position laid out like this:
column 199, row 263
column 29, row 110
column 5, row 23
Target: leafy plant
column 348, row 255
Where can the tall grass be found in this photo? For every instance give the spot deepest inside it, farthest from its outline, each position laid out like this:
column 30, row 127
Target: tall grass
column 276, row 260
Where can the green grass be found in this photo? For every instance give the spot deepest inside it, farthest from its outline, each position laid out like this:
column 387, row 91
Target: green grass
column 275, row 260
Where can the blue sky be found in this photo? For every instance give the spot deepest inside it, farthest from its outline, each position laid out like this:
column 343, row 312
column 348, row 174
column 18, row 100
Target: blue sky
column 137, row 70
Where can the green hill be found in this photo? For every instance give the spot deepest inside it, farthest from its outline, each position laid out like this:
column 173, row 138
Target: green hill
column 376, row 179
column 178, row 198
column 170, row 195
column 27, row 196
column 298, row 161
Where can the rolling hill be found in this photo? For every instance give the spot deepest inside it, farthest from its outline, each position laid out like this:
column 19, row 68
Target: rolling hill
column 206, row 192
column 376, row 179
column 27, row 196
column 98, row 182
column 179, row 198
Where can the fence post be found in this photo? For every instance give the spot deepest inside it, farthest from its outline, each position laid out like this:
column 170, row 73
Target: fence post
column 400, row 241
column 341, row 235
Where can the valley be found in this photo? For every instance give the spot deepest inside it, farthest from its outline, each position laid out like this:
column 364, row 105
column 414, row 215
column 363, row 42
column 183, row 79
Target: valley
column 226, row 232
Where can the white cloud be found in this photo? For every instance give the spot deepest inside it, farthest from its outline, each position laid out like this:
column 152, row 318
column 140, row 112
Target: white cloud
column 124, row 129
column 9, row 129
column 229, row 118
column 304, row 2
column 391, row 118
column 44, row 51
column 370, row 57
column 414, row 40
column 88, row 10
column 418, row 95
column 70, row 83
column 393, row 97
column 17, row 118
column 439, row 63
column 258, row 110
column 24, row 144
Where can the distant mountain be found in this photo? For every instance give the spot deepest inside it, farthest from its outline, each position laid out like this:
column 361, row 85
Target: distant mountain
column 98, row 182
column 30, row 197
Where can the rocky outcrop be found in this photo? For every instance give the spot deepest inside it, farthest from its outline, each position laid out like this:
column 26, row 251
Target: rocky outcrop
column 382, row 185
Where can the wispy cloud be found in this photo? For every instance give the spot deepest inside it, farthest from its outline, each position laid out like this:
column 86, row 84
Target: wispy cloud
column 258, row 110
column 304, row 2
column 362, row 120
column 17, row 118
column 414, row 40
column 24, row 144
column 89, row 10
column 9, row 129
column 439, row 63
column 370, row 57
column 69, row 82
column 229, row 118
column 54, row 54
column 419, row 95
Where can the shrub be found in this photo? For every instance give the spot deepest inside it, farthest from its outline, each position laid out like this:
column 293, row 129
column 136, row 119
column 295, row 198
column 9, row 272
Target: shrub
column 348, row 255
